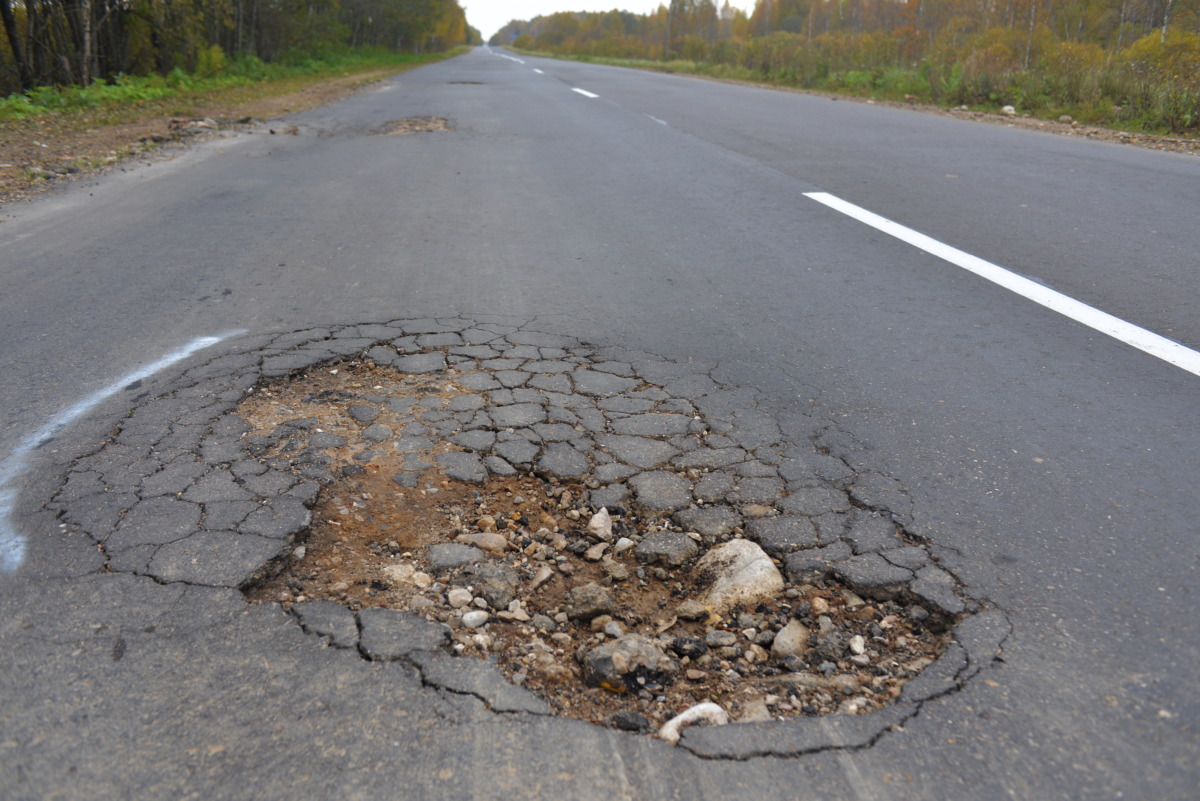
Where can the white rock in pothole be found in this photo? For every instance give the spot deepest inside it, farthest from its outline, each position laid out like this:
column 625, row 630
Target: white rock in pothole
column 601, row 525
column 459, row 597
column 707, row 712
column 475, row 618
column 399, row 573
column 792, row 640
column 741, row 572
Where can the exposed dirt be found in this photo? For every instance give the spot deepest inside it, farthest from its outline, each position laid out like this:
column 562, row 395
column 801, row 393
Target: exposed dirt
column 1072, row 128
column 369, row 546
column 413, row 125
column 36, row 154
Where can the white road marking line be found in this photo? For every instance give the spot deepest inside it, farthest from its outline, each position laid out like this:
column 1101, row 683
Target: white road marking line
column 539, row 72
column 584, row 92
column 1135, row 336
column 656, row 119
column 503, row 55
column 12, row 542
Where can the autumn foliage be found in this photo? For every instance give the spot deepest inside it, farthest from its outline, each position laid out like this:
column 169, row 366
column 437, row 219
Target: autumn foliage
column 1132, row 63
column 75, row 42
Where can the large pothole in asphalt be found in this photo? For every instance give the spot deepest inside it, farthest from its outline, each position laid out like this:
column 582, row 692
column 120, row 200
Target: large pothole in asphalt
column 622, row 536
column 595, row 536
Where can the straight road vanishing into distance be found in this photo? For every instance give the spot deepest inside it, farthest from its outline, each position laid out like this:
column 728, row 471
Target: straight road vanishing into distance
column 1050, row 465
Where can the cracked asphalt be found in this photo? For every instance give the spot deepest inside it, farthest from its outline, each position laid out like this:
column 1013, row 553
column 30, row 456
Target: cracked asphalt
column 1048, row 471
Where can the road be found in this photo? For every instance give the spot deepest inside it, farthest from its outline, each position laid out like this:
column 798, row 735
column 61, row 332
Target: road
column 1052, row 467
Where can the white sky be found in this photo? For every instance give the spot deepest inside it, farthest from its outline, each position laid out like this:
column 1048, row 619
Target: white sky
column 489, row 16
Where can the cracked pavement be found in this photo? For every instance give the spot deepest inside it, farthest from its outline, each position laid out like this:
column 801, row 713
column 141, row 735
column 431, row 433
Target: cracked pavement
column 1048, row 470
column 172, row 515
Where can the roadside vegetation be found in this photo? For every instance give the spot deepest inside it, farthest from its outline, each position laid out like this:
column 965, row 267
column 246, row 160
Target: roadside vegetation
column 180, row 93
column 1130, row 64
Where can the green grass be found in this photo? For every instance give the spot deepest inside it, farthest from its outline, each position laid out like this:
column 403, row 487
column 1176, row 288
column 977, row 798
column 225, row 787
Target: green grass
column 238, row 79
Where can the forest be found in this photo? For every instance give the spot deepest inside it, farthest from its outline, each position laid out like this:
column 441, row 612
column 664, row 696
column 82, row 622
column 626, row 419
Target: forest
column 80, row 42
column 1125, row 63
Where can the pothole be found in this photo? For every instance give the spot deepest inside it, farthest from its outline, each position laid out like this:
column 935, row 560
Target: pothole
column 426, row 488
column 411, row 125
column 595, row 536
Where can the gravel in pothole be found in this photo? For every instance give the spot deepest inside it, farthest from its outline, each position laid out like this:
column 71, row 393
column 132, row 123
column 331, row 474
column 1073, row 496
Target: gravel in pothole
column 590, row 533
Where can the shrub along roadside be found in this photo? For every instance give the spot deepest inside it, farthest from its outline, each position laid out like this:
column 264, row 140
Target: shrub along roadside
column 214, row 79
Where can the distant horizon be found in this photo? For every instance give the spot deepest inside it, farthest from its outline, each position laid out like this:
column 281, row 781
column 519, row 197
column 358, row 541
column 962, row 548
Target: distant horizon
column 489, row 16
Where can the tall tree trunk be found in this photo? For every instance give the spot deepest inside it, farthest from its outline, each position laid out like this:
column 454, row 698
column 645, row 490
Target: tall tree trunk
column 1029, row 41
column 85, row 30
column 37, row 41
column 24, row 73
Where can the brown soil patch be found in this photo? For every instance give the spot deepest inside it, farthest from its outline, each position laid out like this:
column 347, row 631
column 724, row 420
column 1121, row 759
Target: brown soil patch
column 415, row 125
column 369, row 547
column 38, row 153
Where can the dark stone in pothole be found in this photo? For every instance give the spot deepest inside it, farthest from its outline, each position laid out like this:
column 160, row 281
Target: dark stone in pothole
column 668, row 547
column 691, row 647
column 626, row 720
column 445, row 555
column 628, row 664
column 495, row 583
column 588, row 601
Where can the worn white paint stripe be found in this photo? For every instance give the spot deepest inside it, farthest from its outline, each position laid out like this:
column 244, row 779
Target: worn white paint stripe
column 656, row 119
column 1135, row 336
column 12, row 542
column 503, row 55
column 583, row 92
column 539, row 72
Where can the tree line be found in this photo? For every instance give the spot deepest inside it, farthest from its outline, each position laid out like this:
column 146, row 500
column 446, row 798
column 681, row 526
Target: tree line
column 1135, row 61
column 65, row 42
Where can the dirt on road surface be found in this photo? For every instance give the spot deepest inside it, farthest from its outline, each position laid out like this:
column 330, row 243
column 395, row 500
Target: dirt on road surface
column 38, row 153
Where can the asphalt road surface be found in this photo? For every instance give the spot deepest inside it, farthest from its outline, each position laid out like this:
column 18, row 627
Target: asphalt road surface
column 1052, row 467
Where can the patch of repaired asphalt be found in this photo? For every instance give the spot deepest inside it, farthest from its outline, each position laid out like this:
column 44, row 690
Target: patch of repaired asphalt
column 179, row 494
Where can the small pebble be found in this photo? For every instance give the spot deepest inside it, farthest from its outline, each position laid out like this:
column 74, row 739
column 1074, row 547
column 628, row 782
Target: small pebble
column 475, row 618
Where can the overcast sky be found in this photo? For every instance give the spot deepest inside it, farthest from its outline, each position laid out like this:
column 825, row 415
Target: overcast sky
column 489, row 16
